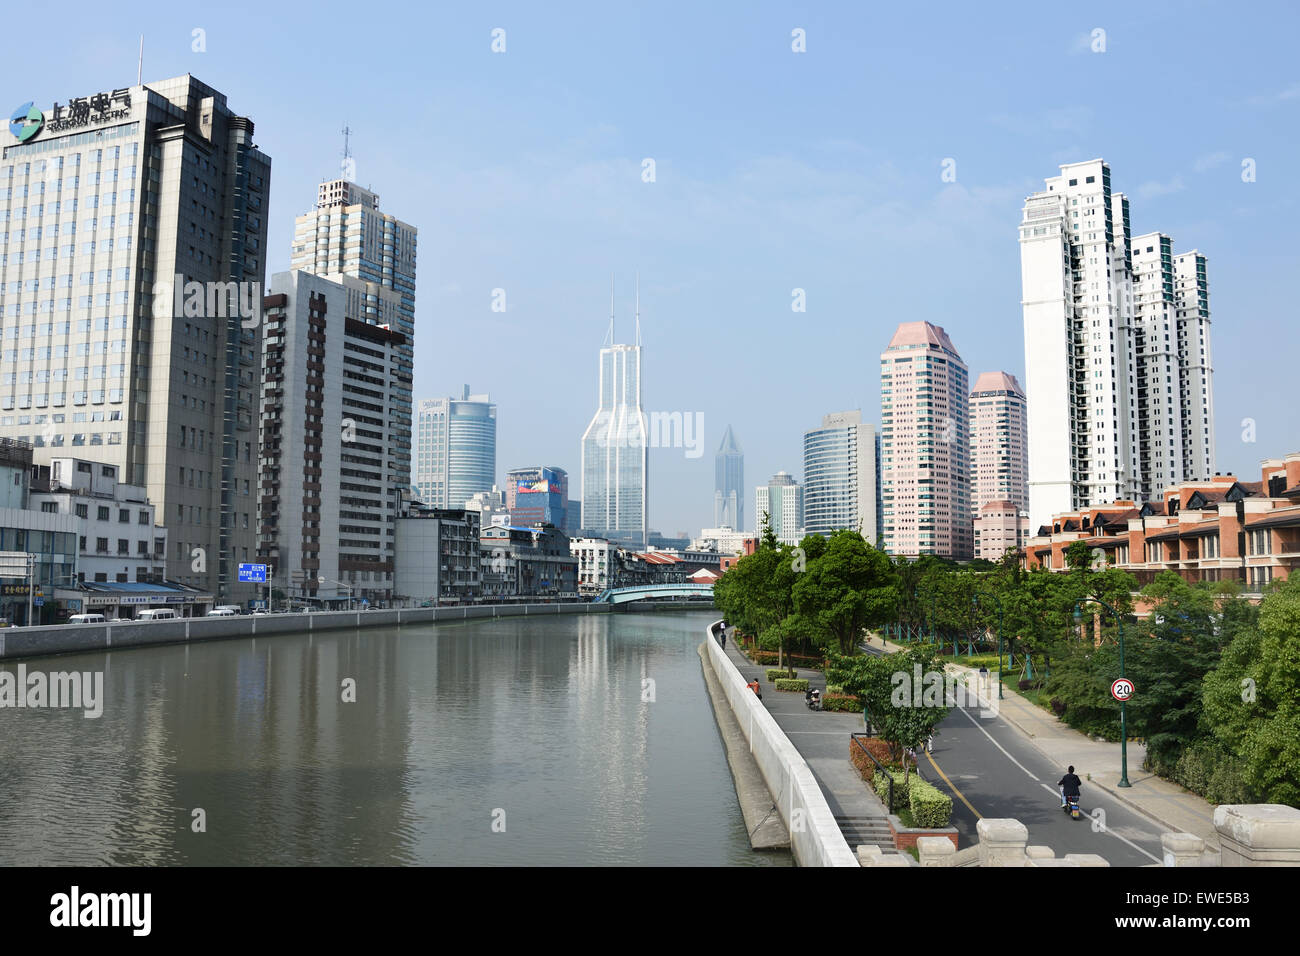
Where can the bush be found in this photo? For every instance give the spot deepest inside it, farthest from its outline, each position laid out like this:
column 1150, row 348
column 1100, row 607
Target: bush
column 791, row 684
column 877, row 748
column 835, row 688
column 1029, row 684
column 900, row 788
column 1058, row 706
column 1205, row 768
column 930, row 808
column 773, row 673
column 844, row 702
column 794, row 660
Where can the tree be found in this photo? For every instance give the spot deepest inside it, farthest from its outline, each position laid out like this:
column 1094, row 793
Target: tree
column 845, row 590
column 903, row 709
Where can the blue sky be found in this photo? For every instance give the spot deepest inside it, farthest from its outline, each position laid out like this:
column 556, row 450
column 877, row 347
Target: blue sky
column 773, row 171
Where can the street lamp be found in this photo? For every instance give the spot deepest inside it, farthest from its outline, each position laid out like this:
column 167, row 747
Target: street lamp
column 1123, row 723
column 975, row 603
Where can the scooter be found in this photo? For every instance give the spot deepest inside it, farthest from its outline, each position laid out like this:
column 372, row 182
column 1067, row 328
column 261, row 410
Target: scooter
column 813, row 699
column 1072, row 806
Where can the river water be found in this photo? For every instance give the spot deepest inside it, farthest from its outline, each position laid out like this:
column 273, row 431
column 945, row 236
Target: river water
column 563, row 740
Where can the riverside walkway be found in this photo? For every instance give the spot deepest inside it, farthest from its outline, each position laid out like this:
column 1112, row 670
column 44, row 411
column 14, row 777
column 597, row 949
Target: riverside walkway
column 822, row 738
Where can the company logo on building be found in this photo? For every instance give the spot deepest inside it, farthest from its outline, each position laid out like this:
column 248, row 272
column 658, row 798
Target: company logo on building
column 26, row 122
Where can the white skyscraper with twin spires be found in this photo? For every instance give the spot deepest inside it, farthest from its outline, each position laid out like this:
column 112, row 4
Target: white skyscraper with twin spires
column 615, row 447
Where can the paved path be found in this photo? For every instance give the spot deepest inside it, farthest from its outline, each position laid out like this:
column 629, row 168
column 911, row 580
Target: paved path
column 1160, row 805
column 822, row 737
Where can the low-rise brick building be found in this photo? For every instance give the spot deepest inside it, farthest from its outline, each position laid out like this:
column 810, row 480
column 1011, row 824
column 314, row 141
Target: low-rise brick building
column 1223, row 529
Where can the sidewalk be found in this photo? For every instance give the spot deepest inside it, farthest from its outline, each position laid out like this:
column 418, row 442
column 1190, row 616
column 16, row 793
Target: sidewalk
column 1165, row 803
column 822, row 739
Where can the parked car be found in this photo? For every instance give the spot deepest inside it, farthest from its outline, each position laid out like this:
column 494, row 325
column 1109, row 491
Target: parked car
column 86, row 619
column 222, row 612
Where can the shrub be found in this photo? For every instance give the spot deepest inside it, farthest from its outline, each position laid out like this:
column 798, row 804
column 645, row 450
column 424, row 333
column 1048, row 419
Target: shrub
column 773, row 673
column 844, row 702
column 1058, row 707
column 930, row 808
column 792, row 684
column 877, row 748
column 1029, row 684
column 834, row 688
column 900, row 788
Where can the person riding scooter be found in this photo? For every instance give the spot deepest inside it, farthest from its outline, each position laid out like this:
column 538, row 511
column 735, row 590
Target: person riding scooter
column 813, row 698
column 1069, row 785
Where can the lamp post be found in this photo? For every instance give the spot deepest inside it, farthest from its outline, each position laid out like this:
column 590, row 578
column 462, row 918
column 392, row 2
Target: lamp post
column 975, row 603
column 1123, row 723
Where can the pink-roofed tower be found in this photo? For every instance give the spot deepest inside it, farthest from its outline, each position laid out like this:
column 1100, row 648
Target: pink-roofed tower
column 924, row 444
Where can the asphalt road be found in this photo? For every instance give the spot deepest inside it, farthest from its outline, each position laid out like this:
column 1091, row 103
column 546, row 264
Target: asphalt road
column 992, row 770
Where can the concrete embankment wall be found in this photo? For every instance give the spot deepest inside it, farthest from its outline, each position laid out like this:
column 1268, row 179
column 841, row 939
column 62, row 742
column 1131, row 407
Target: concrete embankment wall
column 79, row 638
column 815, row 837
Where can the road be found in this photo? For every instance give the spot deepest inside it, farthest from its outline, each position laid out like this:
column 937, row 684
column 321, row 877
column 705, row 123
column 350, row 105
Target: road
column 991, row 769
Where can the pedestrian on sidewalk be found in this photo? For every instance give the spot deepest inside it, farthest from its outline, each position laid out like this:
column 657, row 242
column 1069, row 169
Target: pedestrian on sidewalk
column 722, row 638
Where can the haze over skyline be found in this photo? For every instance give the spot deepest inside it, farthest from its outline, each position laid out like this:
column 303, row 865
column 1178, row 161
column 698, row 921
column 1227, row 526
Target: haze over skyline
column 773, row 171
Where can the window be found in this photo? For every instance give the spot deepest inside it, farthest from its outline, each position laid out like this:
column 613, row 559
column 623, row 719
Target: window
column 101, row 546
column 50, row 507
column 123, row 546
column 83, row 511
column 102, row 512
column 123, row 516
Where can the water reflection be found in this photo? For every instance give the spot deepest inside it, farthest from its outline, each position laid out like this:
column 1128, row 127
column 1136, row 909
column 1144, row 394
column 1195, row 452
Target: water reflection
column 590, row 739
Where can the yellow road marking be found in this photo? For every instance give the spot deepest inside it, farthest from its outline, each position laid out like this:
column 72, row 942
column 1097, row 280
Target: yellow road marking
column 960, row 796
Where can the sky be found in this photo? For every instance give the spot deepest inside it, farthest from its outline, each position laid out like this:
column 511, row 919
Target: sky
column 773, row 170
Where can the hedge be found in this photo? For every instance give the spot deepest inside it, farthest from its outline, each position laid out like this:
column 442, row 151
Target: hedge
column 787, row 683
column 877, row 748
column 900, row 788
column 931, row 809
column 774, row 673
column 794, row 660
column 846, row 702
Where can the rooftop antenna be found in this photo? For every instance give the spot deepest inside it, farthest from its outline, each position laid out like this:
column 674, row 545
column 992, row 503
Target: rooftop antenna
column 638, row 309
column 139, row 66
column 346, row 166
column 609, row 336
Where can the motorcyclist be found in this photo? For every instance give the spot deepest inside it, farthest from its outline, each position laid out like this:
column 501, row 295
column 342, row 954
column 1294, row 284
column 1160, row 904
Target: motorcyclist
column 1069, row 785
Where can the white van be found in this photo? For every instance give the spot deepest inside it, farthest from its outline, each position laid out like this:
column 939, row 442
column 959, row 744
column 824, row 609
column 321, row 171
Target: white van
column 86, row 619
column 225, row 610
column 156, row 614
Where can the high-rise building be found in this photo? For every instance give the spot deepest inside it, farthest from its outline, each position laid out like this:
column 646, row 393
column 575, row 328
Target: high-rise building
column 999, row 442
column 455, row 449
column 1171, row 339
column 334, row 445
column 925, row 444
column 1112, row 325
column 841, row 476
column 134, row 229
column 347, row 235
column 538, row 496
column 780, row 504
column 615, row 449
column 729, row 484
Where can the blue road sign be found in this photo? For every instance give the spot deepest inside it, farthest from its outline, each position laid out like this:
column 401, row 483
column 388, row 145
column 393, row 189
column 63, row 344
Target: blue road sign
column 252, row 574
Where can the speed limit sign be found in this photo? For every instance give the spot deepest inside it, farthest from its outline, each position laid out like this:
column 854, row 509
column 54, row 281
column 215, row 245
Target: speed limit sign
column 1122, row 689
